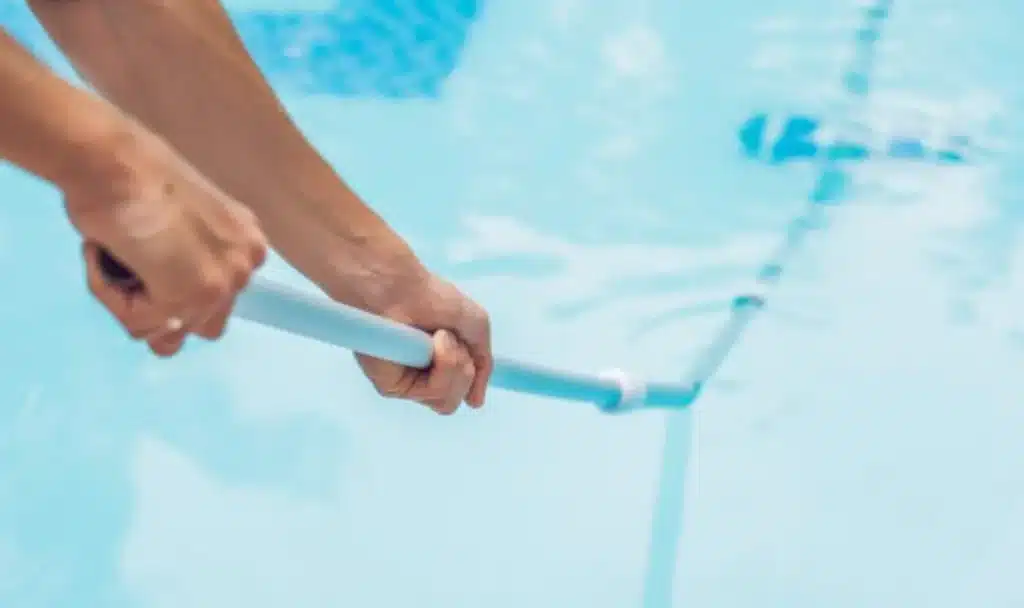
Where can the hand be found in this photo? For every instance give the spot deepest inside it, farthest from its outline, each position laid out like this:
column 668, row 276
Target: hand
column 191, row 247
column 462, row 361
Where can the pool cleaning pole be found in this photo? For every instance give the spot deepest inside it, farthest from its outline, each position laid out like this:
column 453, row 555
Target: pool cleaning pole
column 829, row 188
column 287, row 309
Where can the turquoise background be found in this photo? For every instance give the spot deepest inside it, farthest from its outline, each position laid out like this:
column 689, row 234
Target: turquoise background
column 579, row 172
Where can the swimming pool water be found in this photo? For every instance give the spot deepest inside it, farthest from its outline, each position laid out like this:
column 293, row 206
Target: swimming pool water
column 585, row 174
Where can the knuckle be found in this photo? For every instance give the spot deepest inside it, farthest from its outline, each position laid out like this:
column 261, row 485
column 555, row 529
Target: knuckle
column 241, row 271
column 212, row 286
column 246, row 216
column 258, row 253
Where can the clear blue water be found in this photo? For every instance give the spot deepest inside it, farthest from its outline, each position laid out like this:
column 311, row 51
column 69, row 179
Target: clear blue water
column 606, row 182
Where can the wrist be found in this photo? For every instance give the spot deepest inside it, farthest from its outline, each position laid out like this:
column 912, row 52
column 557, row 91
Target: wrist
column 379, row 277
column 325, row 230
column 104, row 163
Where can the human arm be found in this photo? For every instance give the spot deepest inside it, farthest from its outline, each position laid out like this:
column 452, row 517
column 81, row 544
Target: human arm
column 51, row 128
column 126, row 191
column 180, row 67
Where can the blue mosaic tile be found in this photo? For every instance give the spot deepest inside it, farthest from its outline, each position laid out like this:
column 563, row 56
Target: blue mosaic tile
column 381, row 48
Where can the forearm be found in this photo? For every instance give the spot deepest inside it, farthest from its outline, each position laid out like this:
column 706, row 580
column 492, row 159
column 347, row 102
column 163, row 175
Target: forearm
column 53, row 129
column 182, row 70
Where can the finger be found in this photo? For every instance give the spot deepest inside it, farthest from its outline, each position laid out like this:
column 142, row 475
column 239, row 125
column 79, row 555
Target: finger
column 171, row 324
column 147, row 320
column 477, row 336
column 169, row 344
column 212, row 328
column 430, row 388
column 255, row 249
column 239, row 267
column 471, row 372
column 441, row 407
column 391, row 381
column 450, row 376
